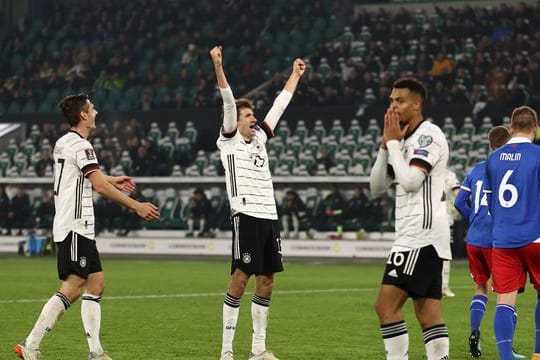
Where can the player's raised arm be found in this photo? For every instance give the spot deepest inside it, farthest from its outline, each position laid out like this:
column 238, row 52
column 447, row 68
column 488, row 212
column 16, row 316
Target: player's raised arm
column 229, row 106
column 283, row 99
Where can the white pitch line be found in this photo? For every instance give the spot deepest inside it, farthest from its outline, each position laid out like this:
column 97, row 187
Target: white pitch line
column 195, row 295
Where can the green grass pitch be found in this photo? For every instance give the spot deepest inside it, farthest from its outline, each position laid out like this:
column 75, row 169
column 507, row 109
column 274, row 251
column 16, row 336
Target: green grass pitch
column 171, row 309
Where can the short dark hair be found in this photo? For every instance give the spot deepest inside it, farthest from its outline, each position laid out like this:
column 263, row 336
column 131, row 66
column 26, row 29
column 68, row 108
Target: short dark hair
column 244, row 103
column 498, row 136
column 413, row 85
column 72, row 106
column 523, row 118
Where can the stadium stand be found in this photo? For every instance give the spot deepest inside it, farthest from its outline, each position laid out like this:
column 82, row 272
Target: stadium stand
column 147, row 56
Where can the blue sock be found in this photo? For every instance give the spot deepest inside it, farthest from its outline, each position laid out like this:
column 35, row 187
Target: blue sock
column 477, row 310
column 503, row 324
column 537, row 322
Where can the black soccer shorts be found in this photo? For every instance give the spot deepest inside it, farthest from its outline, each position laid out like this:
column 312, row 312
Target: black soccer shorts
column 256, row 245
column 417, row 272
column 77, row 255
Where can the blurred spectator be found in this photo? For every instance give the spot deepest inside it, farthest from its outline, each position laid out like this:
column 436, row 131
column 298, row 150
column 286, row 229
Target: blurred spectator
column 21, row 210
column 200, row 210
column 45, row 162
column 5, row 209
column 44, row 214
column 334, row 204
column 358, row 206
column 293, row 213
column 108, row 214
column 142, row 163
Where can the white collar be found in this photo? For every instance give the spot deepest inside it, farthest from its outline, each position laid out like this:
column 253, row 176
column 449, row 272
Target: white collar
column 518, row 139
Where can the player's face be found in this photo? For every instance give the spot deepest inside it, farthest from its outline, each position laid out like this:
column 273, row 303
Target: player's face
column 405, row 104
column 91, row 113
column 246, row 123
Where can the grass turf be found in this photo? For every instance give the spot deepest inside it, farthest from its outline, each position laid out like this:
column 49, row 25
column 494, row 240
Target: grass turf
column 171, row 309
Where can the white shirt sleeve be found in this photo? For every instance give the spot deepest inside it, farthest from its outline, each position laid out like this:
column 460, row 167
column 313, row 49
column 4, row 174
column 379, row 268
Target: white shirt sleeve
column 279, row 106
column 409, row 177
column 229, row 111
column 379, row 180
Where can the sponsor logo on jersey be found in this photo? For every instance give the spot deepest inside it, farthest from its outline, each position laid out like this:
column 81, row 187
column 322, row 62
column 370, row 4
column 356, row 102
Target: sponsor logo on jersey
column 246, row 258
column 421, row 152
column 90, row 154
column 425, row 140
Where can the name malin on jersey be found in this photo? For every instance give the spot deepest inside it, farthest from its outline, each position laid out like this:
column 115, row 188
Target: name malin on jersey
column 510, row 156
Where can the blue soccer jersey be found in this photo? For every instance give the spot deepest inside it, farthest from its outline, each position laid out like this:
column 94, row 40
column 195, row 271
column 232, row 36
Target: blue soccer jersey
column 513, row 187
column 472, row 192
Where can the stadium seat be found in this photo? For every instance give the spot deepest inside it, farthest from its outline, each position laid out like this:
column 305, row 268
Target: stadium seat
column 337, row 130
column 486, row 125
column 338, row 170
column 190, row 133
column 201, row 161
column 154, row 132
column 176, row 171
column 343, row 157
column 355, row 130
column 301, row 131
column 172, row 132
column 283, row 131
column 318, row 131
column 467, row 128
column 373, row 129
column 288, row 159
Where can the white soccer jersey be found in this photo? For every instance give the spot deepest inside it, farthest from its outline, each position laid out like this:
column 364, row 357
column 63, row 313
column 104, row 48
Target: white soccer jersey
column 74, row 159
column 451, row 183
column 247, row 174
column 421, row 217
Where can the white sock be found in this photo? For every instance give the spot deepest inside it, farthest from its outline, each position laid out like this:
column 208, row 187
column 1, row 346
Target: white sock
column 51, row 312
column 446, row 274
column 396, row 340
column 231, row 308
column 259, row 315
column 190, row 224
column 91, row 318
column 437, row 342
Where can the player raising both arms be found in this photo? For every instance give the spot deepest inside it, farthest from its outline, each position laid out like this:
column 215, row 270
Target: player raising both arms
column 256, row 248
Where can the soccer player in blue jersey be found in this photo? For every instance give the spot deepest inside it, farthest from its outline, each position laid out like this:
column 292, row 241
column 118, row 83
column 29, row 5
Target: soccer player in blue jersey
column 513, row 196
column 471, row 202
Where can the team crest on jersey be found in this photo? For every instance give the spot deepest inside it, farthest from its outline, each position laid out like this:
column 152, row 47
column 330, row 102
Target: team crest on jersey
column 246, row 258
column 82, row 262
column 258, row 161
column 425, row 140
column 90, row 154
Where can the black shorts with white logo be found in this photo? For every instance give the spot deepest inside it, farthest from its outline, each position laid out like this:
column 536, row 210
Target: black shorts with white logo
column 417, row 272
column 77, row 255
column 256, row 245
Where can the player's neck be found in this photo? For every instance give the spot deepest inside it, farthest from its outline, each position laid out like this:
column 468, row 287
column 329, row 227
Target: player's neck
column 413, row 124
column 529, row 136
column 83, row 131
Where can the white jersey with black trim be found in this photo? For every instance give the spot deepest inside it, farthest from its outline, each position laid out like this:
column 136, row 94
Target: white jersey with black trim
column 74, row 159
column 247, row 174
column 421, row 216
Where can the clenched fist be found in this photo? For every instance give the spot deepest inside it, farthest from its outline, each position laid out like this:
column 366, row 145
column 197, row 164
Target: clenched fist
column 299, row 67
column 215, row 53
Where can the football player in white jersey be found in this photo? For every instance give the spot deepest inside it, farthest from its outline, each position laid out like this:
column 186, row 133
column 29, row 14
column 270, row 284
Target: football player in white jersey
column 79, row 266
column 256, row 240
column 414, row 153
column 451, row 188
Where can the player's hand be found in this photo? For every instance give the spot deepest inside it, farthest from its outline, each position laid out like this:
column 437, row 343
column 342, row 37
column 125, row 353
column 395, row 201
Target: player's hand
column 147, row 211
column 329, row 212
column 215, row 53
column 123, row 183
column 392, row 128
column 299, row 67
